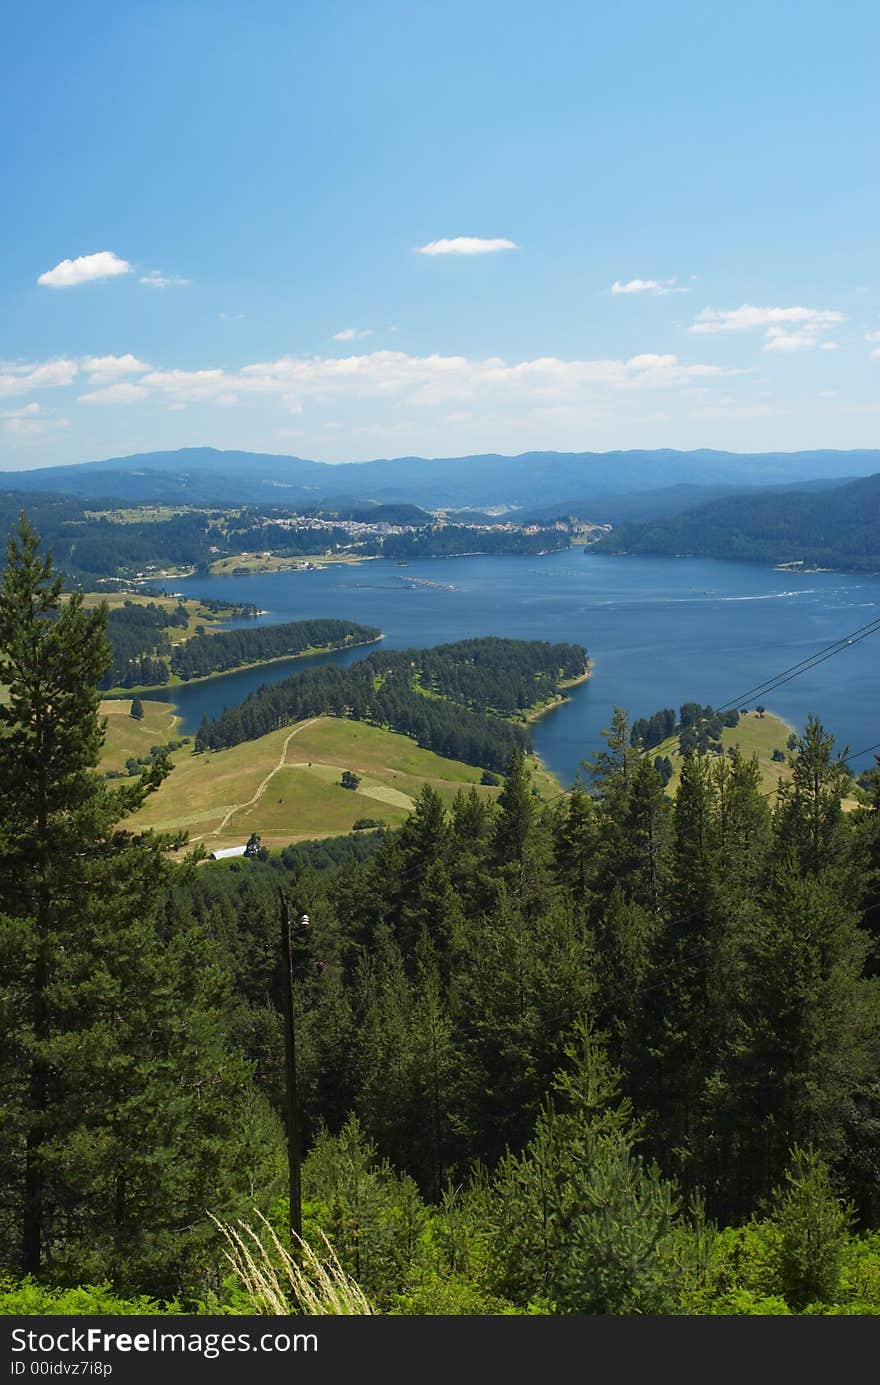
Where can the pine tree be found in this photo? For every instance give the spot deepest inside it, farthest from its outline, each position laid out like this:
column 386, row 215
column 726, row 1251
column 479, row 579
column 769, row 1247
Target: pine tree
column 516, row 813
column 578, row 1221
column 576, row 844
column 810, row 813
column 813, row 1226
column 137, row 709
column 120, row 1095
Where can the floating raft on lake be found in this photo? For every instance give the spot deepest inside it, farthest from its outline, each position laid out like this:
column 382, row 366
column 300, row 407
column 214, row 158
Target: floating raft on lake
column 409, row 583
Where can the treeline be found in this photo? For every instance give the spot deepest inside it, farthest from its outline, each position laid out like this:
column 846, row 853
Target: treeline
column 139, row 644
column 204, row 654
column 488, row 674
column 698, row 728
column 389, row 689
column 278, row 538
column 389, row 513
column 839, row 527
column 439, row 725
column 454, row 540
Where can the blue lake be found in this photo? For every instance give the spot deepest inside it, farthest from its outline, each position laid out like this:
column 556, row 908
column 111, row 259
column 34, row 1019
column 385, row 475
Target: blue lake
column 660, row 631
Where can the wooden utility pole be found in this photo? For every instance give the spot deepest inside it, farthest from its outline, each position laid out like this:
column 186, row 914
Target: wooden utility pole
column 291, row 1095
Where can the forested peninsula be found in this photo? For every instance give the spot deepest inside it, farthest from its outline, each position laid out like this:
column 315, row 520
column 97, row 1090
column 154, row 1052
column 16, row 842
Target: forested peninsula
column 205, row 654
column 456, row 699
column 142, row 653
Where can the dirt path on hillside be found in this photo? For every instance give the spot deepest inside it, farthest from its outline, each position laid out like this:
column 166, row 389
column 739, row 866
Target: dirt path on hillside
column 255, row 798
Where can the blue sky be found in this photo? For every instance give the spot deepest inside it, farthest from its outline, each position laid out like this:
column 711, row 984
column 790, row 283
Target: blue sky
column 347, row 230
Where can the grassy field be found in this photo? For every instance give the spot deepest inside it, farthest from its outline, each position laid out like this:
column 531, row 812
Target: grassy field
column 126, row 736
column 196, row 613
column 144, row 514
column 754, row 735
column 283, row 562
column 285, row 786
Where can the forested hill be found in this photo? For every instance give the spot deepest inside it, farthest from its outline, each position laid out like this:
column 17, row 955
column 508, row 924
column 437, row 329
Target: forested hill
column 456, row 540
column 835, row 528
column 215, row 653
column 455, row 699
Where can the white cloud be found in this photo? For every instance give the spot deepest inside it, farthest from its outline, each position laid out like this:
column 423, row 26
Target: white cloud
column 157, row 280
column 467, row 245
column 875, row 355
column 103, row 265
column 21, row 379
column 122, row 393
column 372, row 384
column 191, row 386
column 656, row 287
column 872, row 336
column 787, row 329
column 748, row 316
column 103, row 370
column 829, row 346
column 352, row 333
column 29, row 421
column 427, row 380
column 780, row 340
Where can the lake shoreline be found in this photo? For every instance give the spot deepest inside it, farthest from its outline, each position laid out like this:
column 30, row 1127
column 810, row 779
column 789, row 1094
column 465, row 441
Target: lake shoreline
column 536, row 713
column 144, row 691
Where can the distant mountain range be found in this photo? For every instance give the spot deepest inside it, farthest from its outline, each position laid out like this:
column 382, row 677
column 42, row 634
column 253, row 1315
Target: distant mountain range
column 206, row 476
column 836, row 527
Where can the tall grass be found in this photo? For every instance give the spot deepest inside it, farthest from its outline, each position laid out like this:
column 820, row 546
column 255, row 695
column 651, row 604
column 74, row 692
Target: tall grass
column 279, row 1283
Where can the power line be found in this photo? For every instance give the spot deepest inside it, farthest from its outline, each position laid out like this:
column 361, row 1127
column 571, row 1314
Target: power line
column 795, row 670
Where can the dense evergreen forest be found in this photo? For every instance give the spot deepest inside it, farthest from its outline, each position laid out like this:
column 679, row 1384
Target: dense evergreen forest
column 139, row 644
column 612, row 1054
column 838, row 528
column 451, row 540
column 453, row 699
column 142, row 654
column 213, row 653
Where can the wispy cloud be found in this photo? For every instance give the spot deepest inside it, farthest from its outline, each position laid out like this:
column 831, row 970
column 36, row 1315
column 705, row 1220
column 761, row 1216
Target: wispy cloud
column 748, row 316
column 122, row 393
column 352, row 333
column 414, row 381
column 29, row 421
column 786, row 329
column 103, row 370
column 157, row 280
column 84, row 269
column 467, row 245
column 22, row 379
column 656, row 287
column 872, row 336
